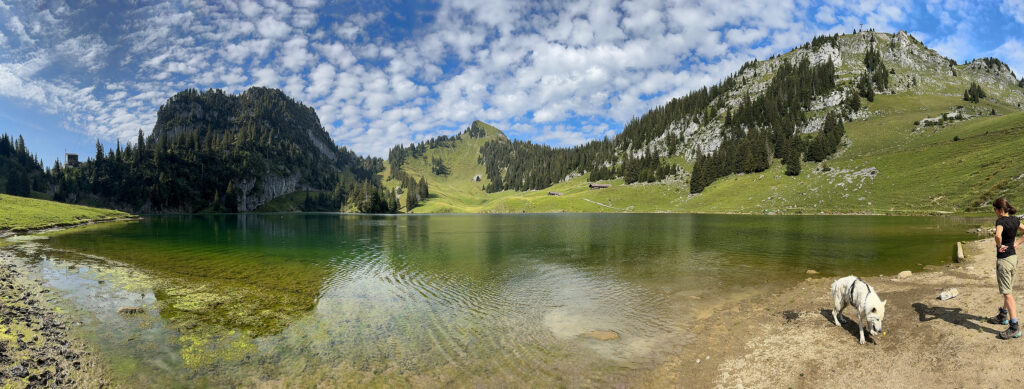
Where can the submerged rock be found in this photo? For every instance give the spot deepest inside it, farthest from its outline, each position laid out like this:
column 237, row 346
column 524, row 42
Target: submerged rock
column 130, row 310
column 812, row 272
column 601, row 335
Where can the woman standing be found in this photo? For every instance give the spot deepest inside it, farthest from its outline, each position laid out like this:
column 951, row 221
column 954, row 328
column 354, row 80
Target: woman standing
column 1006, row 265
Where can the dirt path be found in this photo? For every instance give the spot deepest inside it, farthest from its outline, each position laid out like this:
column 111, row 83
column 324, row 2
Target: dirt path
column 787, row 339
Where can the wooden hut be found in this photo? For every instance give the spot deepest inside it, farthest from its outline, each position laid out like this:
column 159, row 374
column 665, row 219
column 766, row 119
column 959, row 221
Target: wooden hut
column 600, row 186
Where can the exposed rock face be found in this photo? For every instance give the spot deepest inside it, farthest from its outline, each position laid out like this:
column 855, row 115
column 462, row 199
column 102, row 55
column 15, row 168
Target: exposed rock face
column 270, row 187
column 914, row 67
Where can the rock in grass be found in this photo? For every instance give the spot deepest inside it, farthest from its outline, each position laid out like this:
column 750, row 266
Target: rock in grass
column 130, row 310
column 904, row 274
column 601, row 335
column 949, row 293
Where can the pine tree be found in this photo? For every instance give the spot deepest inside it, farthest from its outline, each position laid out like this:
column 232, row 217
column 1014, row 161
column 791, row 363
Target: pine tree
column 792, row 161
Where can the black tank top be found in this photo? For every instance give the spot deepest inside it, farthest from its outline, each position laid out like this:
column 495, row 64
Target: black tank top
column 1010, row 225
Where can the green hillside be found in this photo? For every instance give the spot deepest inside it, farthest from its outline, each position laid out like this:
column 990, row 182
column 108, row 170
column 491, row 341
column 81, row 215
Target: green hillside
column 916, row 147
column 458, row 191
column 22, row 213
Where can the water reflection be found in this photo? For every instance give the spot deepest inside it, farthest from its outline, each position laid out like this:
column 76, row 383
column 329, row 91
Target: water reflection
column 446, row 299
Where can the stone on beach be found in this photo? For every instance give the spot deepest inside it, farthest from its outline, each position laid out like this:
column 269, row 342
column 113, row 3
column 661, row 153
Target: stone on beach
column 904, row 274
column 948, row 293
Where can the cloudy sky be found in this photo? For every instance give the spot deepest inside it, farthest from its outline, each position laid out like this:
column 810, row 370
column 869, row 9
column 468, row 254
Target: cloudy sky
column 381, row 73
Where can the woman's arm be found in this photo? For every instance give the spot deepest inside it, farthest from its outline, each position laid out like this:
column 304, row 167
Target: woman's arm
column 999, row 239
column 1020, row 228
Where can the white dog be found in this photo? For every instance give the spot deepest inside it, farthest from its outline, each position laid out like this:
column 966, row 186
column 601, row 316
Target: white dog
column 851, row 290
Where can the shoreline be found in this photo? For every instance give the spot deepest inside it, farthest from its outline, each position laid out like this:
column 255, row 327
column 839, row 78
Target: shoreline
column 775, row 339
column 787, row 339
column 37, row 347
column 6, row 233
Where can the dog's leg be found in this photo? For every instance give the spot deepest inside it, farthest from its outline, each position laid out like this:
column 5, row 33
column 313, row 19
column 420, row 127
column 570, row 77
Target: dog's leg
column 860, row 325
column 838, row 311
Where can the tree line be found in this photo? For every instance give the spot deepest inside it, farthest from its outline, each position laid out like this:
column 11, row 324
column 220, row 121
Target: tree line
column 209, row 150
column 20, row 172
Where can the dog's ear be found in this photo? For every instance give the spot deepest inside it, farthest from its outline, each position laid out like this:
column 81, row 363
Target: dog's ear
column 883, row 302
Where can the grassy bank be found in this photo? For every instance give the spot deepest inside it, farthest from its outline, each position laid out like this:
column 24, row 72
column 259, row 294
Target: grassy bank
column 887, row 165
column 23, row 214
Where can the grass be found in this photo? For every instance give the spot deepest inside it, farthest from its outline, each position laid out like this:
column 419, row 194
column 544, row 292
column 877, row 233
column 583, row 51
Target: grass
column 919, row 171
column 20, row 214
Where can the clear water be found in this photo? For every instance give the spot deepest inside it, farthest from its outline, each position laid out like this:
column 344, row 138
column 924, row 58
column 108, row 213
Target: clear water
column 428, row 300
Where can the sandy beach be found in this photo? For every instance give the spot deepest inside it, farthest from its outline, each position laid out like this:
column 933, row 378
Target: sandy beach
column 787, row 339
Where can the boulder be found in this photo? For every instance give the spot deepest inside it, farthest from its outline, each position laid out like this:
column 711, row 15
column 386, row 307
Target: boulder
column 904, row 274
column 812, row 272
column 948, row 293
column 601, row 335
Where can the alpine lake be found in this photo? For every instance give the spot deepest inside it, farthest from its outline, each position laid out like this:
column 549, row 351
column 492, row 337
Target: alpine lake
column 439, row 300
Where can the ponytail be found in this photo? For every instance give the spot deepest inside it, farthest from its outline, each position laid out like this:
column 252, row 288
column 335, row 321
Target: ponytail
column 1004, row 205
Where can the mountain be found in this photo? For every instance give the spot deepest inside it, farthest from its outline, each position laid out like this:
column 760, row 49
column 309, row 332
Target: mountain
column 211, row 151
column 863, row 122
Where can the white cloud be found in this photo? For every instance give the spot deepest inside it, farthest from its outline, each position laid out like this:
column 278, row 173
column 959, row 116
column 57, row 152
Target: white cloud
column 293, row 54
column 554, row 72
column 15, row 25
column 1014, row 8
column 250, row 8
column 825, row 15
column 1012, row 52
column 266, row 77
column 86, row 50
column 336, row 53
column 321, row 79
column 272, row 28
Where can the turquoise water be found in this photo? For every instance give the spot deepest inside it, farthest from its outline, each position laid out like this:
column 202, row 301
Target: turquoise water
column 428, row 300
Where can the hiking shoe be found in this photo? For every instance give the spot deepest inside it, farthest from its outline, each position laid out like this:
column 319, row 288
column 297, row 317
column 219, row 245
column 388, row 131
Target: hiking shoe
column 1001, row 318
column 1011, row 332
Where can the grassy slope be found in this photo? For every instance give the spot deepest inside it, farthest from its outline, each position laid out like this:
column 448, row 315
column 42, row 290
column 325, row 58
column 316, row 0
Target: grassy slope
column 25, row 213
column 919, row 170
column 922, row 171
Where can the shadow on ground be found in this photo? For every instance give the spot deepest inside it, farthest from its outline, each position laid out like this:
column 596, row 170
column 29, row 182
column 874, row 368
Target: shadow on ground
column 952, row 316
column 850, row 325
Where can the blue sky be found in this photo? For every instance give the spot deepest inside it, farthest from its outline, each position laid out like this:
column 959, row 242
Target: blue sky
column 382, row 73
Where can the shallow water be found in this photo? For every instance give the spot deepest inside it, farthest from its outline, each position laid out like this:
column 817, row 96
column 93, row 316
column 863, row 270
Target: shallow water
column 464, row 300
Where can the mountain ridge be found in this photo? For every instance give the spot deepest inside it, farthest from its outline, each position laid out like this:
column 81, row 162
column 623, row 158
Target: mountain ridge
column 915, row 78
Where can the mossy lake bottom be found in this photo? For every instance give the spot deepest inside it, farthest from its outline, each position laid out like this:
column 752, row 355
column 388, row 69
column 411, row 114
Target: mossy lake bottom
column 432, row 300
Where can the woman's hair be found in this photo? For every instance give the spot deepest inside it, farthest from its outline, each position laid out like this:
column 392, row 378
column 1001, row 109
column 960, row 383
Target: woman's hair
column 1004, row 205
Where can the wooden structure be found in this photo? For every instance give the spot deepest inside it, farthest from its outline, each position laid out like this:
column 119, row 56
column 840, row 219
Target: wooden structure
column 555, row 193
column 70, row 159
column 600, row 186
